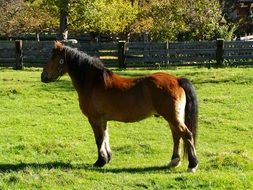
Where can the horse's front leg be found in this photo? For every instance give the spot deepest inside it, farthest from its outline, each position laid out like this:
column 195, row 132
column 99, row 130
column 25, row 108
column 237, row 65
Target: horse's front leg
column 101, row 134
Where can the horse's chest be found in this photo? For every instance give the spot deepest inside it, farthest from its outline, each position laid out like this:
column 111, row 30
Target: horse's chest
column 84, row 107
column 91, row 105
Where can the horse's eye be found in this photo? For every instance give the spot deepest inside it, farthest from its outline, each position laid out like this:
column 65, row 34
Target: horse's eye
column 61, row 61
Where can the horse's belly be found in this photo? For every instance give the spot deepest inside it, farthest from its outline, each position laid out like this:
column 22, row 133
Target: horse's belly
column 126, row 117
column 129, row 105
column 129, row 111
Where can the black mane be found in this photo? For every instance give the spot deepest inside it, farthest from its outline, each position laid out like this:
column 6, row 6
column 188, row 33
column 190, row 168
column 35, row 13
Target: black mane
column 82, row 59
column 80, row 64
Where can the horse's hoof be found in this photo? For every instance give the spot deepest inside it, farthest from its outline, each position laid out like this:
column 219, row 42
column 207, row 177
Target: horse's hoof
column 99, row 163
column 174, row 163
column 192, row 170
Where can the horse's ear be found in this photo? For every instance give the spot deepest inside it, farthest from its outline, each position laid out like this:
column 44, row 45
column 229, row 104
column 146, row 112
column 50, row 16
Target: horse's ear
column 58, row 45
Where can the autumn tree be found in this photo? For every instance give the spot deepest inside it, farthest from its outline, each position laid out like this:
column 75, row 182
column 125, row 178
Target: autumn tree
column 182, row 20
column 162, row 19
column 18, row 17
column 98, row 16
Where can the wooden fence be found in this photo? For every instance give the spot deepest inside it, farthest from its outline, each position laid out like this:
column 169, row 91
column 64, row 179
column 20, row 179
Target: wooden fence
column 134, row 54
column 168, row 54
column 7, row 54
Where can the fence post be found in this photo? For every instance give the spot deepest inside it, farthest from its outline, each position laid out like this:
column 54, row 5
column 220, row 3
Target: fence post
column 219, row 51
column 121, row 54
column 19, row 54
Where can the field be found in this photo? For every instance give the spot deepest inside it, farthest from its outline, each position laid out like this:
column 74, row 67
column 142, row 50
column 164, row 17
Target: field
column 46, row 143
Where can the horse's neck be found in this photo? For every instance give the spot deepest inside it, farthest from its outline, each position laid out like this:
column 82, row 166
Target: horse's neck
column 84, row 82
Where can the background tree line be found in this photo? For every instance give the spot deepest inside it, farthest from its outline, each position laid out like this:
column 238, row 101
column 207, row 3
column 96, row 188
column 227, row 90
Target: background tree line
column 162, row 19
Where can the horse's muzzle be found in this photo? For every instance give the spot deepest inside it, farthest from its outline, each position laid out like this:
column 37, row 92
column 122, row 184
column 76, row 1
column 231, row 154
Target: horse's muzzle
column 44, row 77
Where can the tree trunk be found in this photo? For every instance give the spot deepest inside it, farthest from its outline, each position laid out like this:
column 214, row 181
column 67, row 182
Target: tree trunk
column 63, row 30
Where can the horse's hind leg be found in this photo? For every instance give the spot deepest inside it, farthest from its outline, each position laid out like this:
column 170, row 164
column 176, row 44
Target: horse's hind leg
column 190, row 148
column 182, row 130
column 101, row 134
column 175, row 159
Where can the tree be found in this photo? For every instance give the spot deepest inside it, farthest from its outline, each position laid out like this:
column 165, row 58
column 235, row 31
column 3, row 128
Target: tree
column 163, row 19
column 59, row 9
column 98, row 16
column 168, row 20
column 102, row 15
column 181, row 20
column 24, row 17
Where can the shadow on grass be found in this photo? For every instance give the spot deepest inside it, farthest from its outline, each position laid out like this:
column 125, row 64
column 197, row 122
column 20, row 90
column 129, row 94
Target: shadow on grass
column 148, row 169
column 67, row 166
column 58, row 86
column 24, row 166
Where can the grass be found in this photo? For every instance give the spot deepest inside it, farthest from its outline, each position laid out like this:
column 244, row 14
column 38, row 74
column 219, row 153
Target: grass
column 46, row 143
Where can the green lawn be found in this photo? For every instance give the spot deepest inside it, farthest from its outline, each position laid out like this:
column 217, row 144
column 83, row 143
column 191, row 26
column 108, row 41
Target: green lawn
column 46, row 143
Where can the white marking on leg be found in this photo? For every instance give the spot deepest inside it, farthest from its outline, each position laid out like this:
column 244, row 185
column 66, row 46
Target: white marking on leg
column 105, row 147
column 107, row 140
column 102, row 149
column 180, row 108
column 192, row 170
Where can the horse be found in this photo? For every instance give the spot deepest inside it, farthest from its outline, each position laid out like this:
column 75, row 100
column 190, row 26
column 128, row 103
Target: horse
column 105, row 96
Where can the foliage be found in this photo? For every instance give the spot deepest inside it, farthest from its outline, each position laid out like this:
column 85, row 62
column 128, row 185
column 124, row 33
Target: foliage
column 168, row 22
column 185, row 20
column 19, row 18
column 182, row 20
column 46, row 142
column 164, row 20
column 226, row 31
column 102, row 15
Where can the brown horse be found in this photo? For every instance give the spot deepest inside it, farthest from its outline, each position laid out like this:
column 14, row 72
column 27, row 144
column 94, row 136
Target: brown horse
column 105, row 96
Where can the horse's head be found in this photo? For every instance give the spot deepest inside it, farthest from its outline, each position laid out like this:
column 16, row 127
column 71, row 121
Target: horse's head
column 56, row 66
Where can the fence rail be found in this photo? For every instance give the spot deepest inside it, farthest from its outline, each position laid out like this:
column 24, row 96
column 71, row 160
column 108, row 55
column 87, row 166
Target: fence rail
column 134, row 54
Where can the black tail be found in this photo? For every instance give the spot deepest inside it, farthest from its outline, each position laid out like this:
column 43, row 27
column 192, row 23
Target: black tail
column 191, row 108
